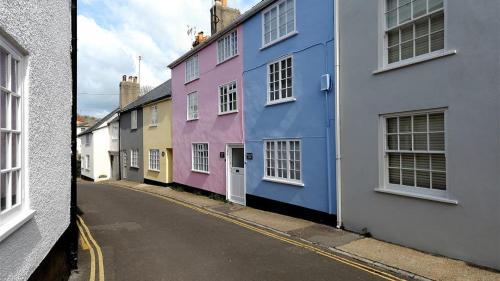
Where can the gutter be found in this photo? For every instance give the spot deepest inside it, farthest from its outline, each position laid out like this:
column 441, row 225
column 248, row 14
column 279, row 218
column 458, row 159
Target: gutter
column 338, row 158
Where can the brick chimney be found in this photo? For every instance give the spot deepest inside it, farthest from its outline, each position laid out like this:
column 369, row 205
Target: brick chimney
column 199, row 38
column 221, row 15
column 129, row 90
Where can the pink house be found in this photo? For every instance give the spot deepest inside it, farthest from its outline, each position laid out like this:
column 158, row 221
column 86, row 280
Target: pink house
column 207, row 121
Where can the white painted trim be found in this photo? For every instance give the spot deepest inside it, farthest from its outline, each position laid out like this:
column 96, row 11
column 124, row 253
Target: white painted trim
column 197, row 76
column 291, row 34
column 417, row 195
column 15, row 223
column 228, row 170
column 218, row 98
column 278, row 39
column 197, row 106
column 268, row 89
column 208, row 158
column 416, row 60
column 283, row 181
column 223, row 38
column 277, row 179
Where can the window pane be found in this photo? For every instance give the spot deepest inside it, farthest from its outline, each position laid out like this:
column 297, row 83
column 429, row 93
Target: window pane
column 392, row 142
column 405, row 124
column 424, row 179
column 419, row 8
column 422, row 27
column 408, row 177
column 422, row 46
column 407, row 160
column 394, row 160
column 404, row 11
column 393, row 38
column 420, row 141
column 407, row 33
column 15, row 153
column 4, row 138
column 405, row 142
column 438, row 162
column 394, row 176
column 407, row 50
column 14, row 185
column 439, row 180
column 437, row 41
column 14, row 110
column 420, row 123
column 393, row 54
column 3, row 109
column 392, row 125
column 436, row 122
column 422, row 161
column 3, row 192
column 391, row 18
column 436, row 141
column 435, row 4
column 13, row 75
column 391, row 5
column 3, row 68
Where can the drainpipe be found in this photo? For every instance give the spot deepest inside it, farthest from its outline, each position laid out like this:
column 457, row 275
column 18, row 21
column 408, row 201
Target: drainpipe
column 338, row 157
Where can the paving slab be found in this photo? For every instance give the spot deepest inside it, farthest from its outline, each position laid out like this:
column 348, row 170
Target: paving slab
column 429, row 266
column 325, row 235
column 276, row 221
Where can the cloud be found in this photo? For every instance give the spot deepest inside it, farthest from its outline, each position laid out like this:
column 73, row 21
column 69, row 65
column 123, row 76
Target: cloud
column 112, row 34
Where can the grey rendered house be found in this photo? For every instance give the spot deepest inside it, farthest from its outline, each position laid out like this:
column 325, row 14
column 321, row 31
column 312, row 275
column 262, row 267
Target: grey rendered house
column 131, row 131
column 420, row 105
column 35, row 138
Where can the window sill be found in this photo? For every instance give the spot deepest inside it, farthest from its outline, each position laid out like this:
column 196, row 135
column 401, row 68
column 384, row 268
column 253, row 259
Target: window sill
column 153, row 126
column 228, row 59
column 287, row 100
column 416, row 60
column 201, row 172
column 187, row 82
column 153, row 170
column 417, row 195
column 194, row 119
column 134, row 167
column 226, row 113
column 283, row 181
column 291, row 34
column 15, row 223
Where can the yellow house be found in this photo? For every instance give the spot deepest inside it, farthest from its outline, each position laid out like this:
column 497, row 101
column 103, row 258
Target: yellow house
column 157, row 135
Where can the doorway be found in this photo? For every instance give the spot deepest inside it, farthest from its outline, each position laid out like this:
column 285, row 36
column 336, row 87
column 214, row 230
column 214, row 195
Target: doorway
column 124, row 165
column 235, row 173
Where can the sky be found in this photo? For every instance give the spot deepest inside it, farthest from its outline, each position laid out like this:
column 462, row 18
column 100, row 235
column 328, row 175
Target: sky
column 113, row 33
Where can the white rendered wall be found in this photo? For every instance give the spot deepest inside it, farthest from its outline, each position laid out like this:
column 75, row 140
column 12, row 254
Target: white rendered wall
column 101, row 163
column 43, row 28
column 87, row 150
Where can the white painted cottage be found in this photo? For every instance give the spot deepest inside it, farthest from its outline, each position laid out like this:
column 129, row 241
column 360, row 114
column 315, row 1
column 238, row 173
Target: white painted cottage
column 97, row 143
column 35, row 137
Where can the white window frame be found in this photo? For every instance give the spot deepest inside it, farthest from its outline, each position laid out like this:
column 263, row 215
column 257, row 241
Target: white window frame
column 228, row 94
column 154, row 115
column 230, row 47
column 415, row 59
column 412, row 191
column 15, row 216
column 192, row 114
column 133, row 120
column 275, row 167
column 268, row 81
column 114, row 130
column 87, row 162
column 88, row 139
column 154, row 161
column 192, row 69
column 134, row 158
column 278, row 38
column 193, row 168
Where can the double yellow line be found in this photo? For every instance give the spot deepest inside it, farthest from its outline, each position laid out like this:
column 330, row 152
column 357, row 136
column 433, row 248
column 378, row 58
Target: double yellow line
column 89, row 243
column 357, row 265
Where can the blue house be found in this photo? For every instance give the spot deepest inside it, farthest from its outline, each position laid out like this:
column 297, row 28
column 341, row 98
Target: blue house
column 289, row 118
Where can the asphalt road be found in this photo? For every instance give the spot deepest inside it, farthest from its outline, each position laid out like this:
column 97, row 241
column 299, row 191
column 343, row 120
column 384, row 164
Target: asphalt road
column 143, row 237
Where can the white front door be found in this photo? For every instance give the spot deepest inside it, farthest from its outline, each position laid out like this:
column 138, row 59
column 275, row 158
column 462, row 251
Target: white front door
column 124, row 165
column 236, row 174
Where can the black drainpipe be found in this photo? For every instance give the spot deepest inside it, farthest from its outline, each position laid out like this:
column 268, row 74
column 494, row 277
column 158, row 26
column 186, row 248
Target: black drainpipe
column 73, row 230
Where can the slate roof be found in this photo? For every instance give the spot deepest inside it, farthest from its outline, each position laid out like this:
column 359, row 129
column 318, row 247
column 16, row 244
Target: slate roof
column 163, row 91
column 99, row 123
column 239, row 20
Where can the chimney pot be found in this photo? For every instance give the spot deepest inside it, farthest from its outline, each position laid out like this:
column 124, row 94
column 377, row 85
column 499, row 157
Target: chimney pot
column 124, row 78
column 135, row 79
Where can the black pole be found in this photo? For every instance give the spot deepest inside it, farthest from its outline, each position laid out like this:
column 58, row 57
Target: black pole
column 73, row 230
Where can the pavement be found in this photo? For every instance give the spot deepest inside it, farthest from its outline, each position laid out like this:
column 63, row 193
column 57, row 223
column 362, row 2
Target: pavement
column 270, row 264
